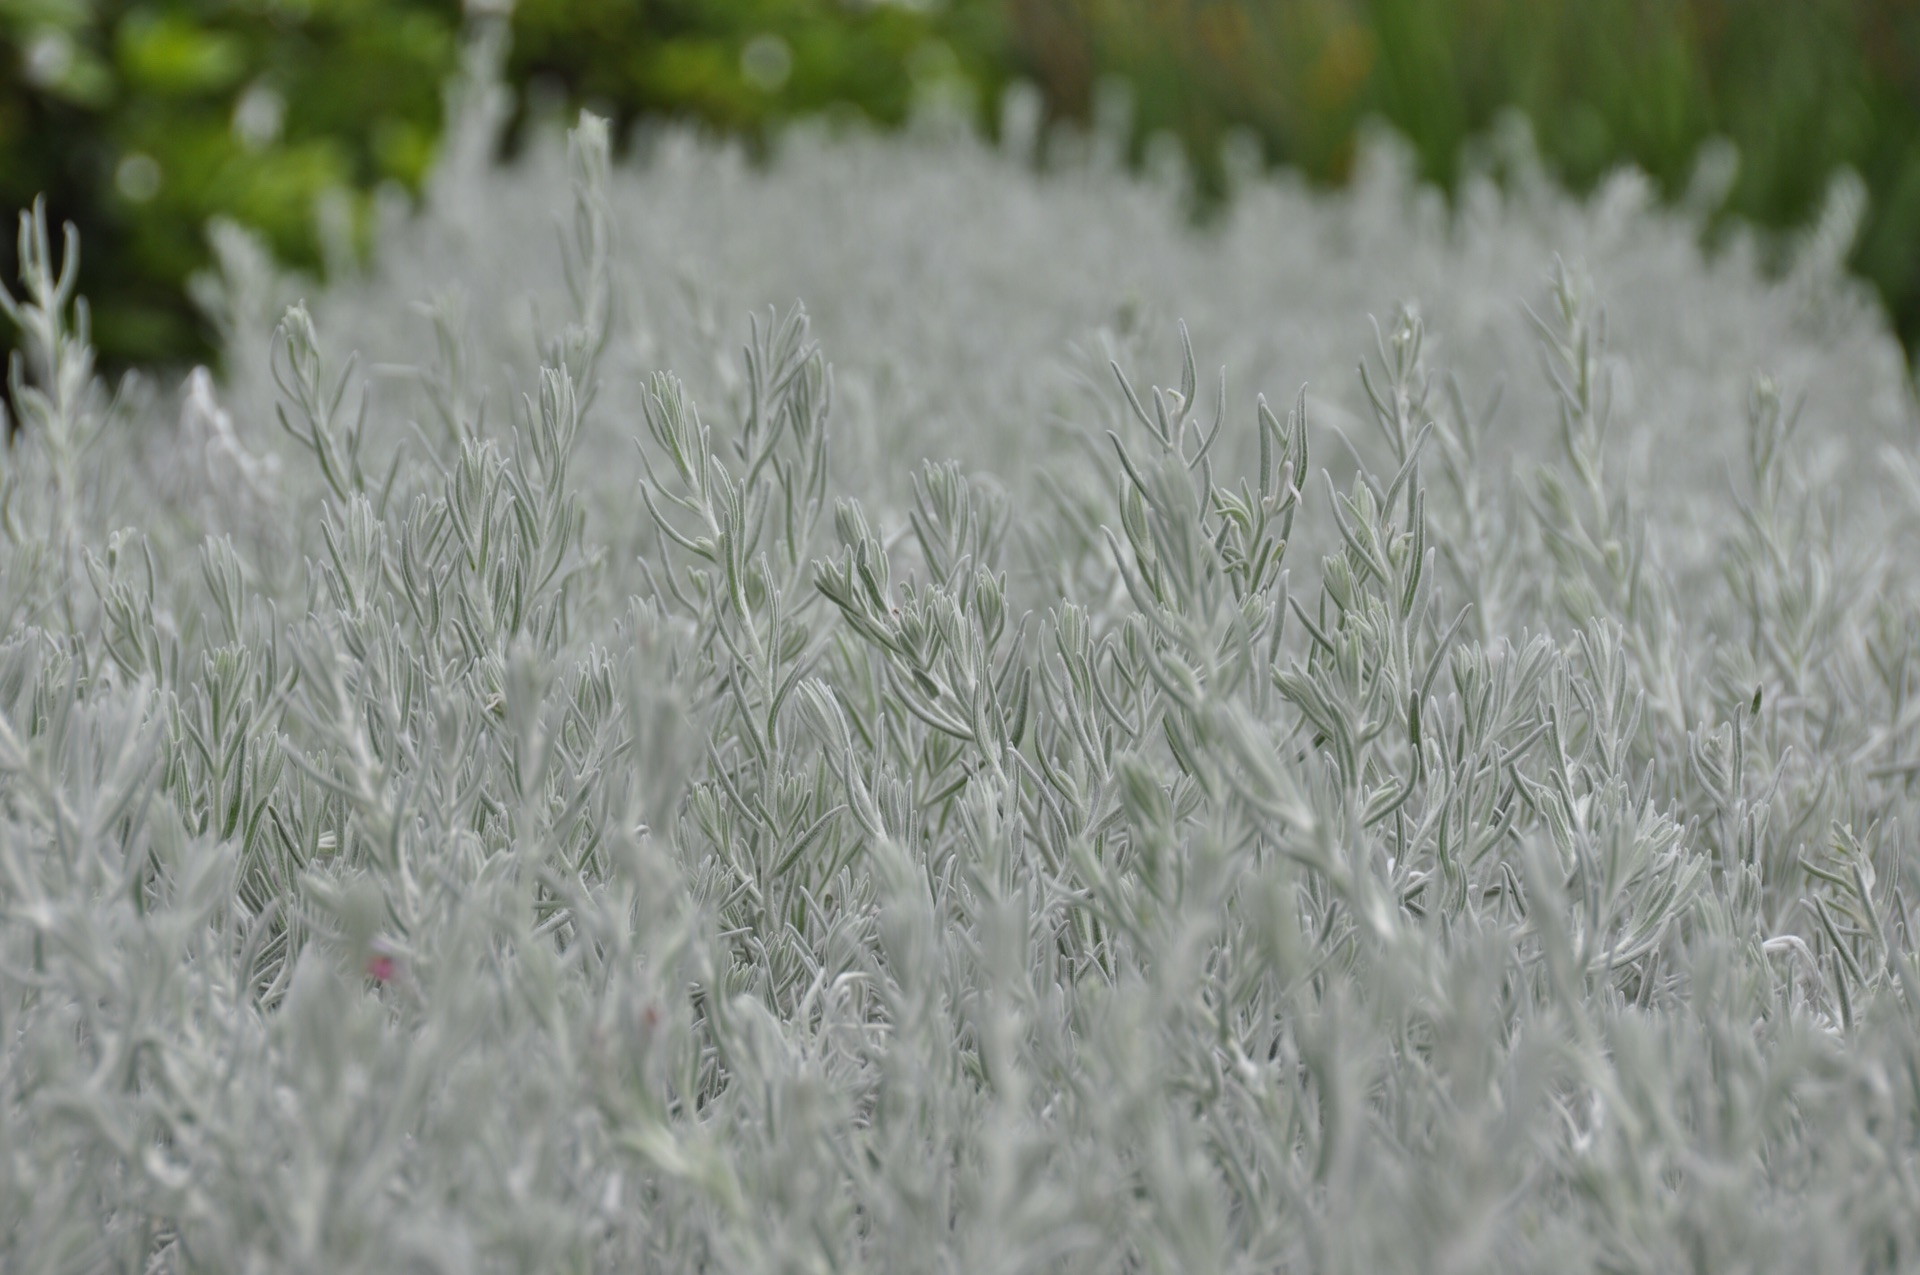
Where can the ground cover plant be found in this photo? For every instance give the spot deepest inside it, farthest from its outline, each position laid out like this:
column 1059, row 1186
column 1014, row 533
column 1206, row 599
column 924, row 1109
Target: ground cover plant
column 618, row 776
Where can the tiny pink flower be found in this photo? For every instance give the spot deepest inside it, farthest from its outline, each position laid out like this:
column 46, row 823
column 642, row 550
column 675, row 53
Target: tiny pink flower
column 381, row 967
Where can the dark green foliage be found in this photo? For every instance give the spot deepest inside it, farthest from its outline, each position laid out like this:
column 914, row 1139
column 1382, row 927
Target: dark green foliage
column 140, row 121
column 744, row 64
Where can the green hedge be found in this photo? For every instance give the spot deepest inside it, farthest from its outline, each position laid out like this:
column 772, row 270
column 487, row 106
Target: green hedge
column 742, row 64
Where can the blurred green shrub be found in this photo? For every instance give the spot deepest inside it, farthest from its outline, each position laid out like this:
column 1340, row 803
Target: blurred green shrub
column 1800, row 88
column 139, row 121
column 744, row 64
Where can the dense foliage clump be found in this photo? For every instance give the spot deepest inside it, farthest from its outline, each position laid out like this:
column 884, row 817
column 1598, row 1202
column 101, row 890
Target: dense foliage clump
column 1005, row 800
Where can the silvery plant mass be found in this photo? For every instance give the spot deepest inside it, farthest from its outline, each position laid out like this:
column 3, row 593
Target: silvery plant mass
column 907, row 710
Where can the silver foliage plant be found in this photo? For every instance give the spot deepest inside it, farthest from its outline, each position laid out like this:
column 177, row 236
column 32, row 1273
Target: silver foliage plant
column 504, row 806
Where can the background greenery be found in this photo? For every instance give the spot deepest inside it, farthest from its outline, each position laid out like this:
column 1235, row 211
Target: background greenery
column 141, row 119
column 1800, row 88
